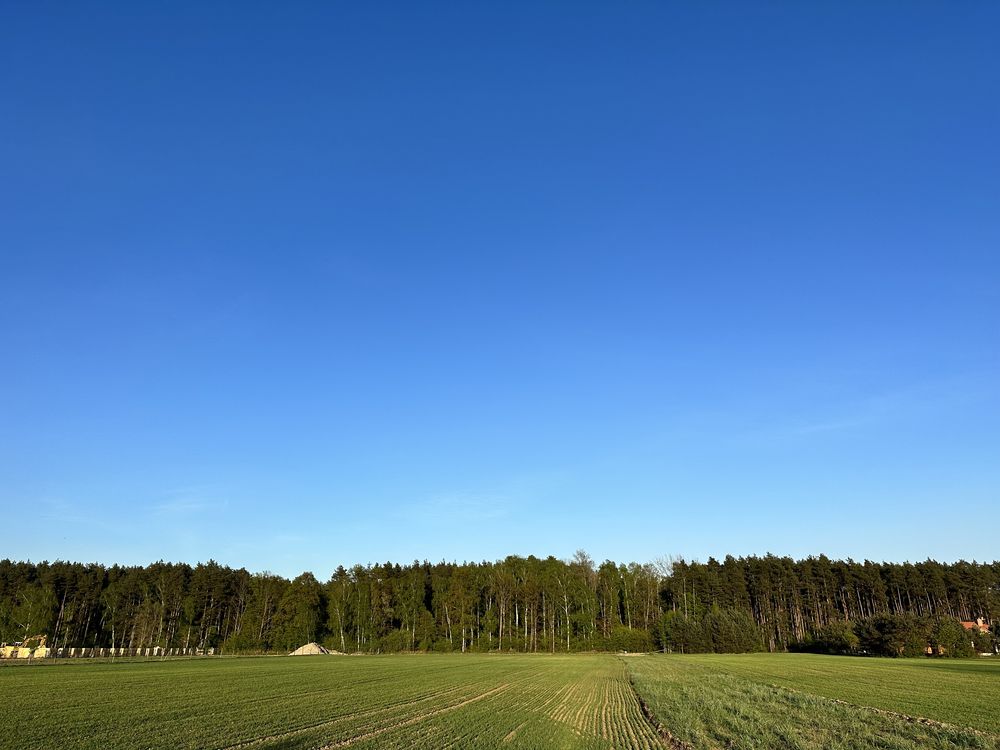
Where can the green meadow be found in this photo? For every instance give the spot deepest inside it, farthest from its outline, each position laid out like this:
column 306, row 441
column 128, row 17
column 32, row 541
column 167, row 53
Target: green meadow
column 487, row 701
column 806, row 701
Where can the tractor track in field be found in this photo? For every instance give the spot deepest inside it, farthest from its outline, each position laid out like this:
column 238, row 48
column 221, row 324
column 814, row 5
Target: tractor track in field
column 509, row 737
column 365, row 714
column 923, row 720
column 256, row 741
column 666, row 736
column 416, row 719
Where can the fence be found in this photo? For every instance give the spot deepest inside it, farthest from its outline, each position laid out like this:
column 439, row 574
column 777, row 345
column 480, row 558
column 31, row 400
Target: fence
column 69, row 652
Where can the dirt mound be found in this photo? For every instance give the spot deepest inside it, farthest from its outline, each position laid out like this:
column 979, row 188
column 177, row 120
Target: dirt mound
column 311, row 649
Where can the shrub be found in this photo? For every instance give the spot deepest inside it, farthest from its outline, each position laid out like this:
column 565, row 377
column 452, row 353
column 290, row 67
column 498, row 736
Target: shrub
column 950, row 638
column 837, row 637
column 628, row 639
column 893, row 635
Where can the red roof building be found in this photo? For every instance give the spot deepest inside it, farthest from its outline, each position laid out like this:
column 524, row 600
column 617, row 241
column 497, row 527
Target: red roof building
column 979, row 624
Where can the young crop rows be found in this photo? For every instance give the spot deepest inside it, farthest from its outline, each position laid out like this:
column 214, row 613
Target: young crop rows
column 490, row 701
column 328, row 702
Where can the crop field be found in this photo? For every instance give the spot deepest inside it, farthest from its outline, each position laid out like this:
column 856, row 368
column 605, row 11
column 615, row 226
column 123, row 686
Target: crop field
column 965, row 692
column 326, row 702
column 804, row 701
column 488, row 701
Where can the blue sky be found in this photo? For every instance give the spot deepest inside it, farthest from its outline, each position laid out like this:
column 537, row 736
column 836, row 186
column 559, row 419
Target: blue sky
column 291, row 287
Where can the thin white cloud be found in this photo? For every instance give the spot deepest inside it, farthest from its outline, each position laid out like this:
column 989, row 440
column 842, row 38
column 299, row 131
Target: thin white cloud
column 479, row 506
column 483, row 504
column 189, row 501
column 920, row 399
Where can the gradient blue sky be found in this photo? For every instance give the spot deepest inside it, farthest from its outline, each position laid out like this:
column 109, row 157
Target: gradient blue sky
column 290, row 286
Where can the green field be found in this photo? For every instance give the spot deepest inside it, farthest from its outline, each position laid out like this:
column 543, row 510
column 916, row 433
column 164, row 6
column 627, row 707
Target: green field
column 965, row 692
column 328, row 702
column 803, row 701
column 484, row 701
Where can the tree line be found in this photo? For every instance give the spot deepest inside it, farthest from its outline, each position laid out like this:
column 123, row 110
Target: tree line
column 520, row 604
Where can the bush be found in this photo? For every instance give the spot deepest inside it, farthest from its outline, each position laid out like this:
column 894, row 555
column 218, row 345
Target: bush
column 394, row 640
column 982, row 642
column 950, row 638
column 240, row 643
column 837, row 637
column 632, row 640
column 732, row 631
column 893, row 635
column 677, row 633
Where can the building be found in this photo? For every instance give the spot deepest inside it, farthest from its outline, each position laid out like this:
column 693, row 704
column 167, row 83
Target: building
column 978, row 624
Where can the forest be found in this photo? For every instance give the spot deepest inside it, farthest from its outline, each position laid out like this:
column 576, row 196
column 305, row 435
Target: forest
column 520, row 604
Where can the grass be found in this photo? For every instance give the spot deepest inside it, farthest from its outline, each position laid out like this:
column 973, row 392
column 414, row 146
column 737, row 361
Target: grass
column 954, row 691
column 475, row 701
column 489, row 701
column 795, row 701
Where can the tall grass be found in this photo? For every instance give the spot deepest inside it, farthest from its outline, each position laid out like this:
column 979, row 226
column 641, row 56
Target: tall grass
column 706, row 707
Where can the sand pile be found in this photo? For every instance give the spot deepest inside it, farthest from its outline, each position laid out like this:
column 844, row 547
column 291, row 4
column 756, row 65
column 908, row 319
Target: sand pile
column 310, row 649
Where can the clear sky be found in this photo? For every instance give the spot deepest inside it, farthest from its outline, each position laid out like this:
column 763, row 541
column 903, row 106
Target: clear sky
column 292, row 285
